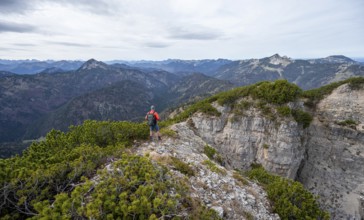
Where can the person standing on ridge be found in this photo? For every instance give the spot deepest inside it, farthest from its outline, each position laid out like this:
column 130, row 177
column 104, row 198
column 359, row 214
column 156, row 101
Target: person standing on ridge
column 152, row 118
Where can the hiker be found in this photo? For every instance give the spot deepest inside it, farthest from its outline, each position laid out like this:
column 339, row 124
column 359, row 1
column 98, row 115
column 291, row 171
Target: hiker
column 152, row 117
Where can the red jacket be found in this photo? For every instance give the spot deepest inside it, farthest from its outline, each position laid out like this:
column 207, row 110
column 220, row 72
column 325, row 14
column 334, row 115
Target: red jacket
column 152, row 112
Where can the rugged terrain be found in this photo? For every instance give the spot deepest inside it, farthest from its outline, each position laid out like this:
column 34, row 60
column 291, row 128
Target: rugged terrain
column 315, row 137
column 32, row 101
column 327, row 156
column 218, row 189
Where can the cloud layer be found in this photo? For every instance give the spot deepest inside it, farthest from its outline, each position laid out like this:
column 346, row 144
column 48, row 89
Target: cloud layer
column 187, row 29
column 15, row 27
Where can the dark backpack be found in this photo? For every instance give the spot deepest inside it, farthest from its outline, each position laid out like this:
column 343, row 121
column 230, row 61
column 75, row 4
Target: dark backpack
column 151, row 119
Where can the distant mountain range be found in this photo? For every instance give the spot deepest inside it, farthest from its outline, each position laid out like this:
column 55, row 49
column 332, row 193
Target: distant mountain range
column 31, row 105
column 65, row 93
column 307, row 74
column 181, row 67
column 36, row 66
column 208, row 67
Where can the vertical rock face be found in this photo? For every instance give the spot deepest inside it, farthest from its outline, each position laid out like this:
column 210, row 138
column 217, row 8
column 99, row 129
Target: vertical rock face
column 254, row 138
column 334, row 167
column 327, row 157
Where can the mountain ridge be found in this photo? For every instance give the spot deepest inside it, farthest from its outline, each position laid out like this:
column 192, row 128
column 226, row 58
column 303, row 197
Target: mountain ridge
column 28, row 98
column 308, row 74
column 180, row 66
column 274, row 124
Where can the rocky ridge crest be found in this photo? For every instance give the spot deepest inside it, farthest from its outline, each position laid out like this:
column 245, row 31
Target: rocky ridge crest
column 220, row 191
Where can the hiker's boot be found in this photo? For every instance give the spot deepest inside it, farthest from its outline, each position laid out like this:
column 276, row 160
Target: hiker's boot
column 159, row 138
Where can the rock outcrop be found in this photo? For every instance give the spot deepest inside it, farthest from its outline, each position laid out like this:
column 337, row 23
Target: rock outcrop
column 219, row 191
column 254, row 138
column 327, row 157
column 334, row 163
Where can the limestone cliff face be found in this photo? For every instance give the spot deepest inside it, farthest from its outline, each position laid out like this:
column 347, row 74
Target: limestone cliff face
column 254, row 138
column 334, row 164
column 327, row 157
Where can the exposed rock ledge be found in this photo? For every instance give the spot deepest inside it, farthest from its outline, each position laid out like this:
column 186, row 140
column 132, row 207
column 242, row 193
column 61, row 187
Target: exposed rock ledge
column 230, row 198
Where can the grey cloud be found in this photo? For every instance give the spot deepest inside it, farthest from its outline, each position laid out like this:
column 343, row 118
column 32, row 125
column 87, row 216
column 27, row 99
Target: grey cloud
column 14, row 6
column 23, row 6
column 68, row 44
column 24, row 45
column 4, row 49
column 93, row 6
column 196, row 33
column 156, row 45
column 16, row 27
column 13, row 49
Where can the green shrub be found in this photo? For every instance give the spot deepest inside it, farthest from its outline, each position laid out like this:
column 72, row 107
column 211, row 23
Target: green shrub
column 230, row 97
column 182, row 167
column 168, row 133
column 54, row 165
column 104, row 133
column 293, row 201
column 284, row 111
column 290, row 199
column 134, row 189
column 212, row 154
column 302, row 117
column 259, row 174
column 277, row 92
column 315, row 95
column 213, row 167
column 347, row 122
column 202, row 106
column 209, row 151
column 356, row 83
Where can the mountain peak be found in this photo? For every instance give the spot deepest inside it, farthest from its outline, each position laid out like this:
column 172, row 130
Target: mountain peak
column 276, row 59
column 339, row 59
column 93, row 64
column 275, row 56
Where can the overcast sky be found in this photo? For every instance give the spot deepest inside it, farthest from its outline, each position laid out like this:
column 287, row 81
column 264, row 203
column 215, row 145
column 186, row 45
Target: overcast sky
column 184, row 29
